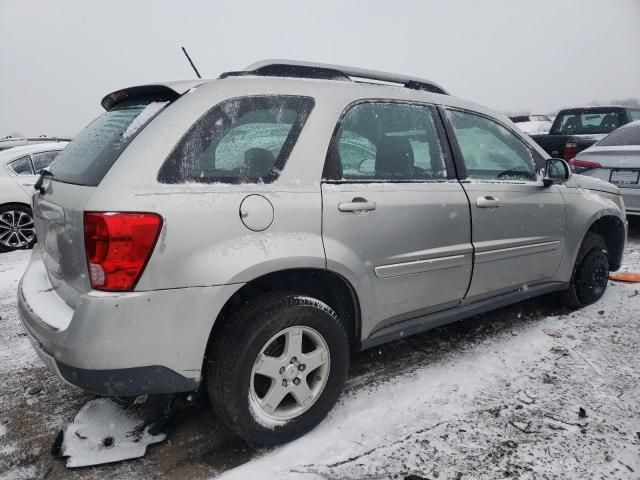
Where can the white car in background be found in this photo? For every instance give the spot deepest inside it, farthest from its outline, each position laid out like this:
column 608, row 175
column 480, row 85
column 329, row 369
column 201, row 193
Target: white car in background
column 19, row 170
column 615, row 159
column 532, row 124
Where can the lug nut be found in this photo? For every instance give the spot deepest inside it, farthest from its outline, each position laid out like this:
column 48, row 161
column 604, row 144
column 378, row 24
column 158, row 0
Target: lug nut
column 301, row 367
column 294, row 360
column 296, row 381
column 281, row 370
column 284, row 383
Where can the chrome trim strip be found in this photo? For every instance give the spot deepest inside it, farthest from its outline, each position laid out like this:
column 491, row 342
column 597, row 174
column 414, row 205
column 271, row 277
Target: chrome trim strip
column 510, row 252
column 421, row 266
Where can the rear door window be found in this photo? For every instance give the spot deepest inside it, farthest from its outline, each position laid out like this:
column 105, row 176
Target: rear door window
column 87, row 159
column 242, row 140
column 388, row 141
column 21, row 166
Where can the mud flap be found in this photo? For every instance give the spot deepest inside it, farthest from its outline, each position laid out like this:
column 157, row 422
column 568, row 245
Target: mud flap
column 107, row 430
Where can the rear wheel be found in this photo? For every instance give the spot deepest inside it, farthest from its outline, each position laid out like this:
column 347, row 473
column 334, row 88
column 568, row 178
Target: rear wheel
column 590, row 273
column 17, row 230
column 277, row 367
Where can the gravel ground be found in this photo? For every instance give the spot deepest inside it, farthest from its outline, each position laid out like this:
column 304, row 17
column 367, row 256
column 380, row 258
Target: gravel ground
column 531, row 391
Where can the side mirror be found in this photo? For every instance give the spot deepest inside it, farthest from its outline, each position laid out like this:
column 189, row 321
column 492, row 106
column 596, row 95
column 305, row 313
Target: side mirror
column 556, row 172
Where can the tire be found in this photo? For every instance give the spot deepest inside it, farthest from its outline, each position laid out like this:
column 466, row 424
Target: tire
column 249, row 367
column 16, row 227
column 590, row 273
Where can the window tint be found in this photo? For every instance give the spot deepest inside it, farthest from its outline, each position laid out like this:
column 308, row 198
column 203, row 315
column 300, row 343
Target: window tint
column 627, row 135
column 87, row 159
column 21, row 166
column 490, row 151
column 43, row 159
column 242, row 140
column 388, row 141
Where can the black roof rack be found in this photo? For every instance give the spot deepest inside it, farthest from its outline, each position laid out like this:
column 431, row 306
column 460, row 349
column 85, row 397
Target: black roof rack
column 296, row 69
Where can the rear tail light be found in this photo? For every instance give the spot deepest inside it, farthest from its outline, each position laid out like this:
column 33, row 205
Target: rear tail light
column 118, row 246
column 581, row 166
column 570, row 150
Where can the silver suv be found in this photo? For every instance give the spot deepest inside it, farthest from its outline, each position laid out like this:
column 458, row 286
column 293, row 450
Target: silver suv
column 246, row 234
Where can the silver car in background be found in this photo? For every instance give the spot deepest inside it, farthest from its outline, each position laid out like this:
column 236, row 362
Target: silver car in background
column 245, row 234
column 615, row 159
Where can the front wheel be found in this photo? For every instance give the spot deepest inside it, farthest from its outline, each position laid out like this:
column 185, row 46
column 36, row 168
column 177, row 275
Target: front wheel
column 277, row 367
column 590, row 273
column 17, row 230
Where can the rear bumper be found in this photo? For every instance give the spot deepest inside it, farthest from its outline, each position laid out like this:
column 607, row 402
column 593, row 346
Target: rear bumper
column 121, row 344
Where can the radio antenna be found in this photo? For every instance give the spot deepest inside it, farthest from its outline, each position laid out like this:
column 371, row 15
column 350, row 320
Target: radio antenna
column 191, row 62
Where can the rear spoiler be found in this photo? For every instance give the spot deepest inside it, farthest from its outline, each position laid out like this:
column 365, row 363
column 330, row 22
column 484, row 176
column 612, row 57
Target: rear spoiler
column 168, row 90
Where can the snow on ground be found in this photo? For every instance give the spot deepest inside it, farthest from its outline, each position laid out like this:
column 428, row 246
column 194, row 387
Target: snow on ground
column 497, row 396
column 557, row 398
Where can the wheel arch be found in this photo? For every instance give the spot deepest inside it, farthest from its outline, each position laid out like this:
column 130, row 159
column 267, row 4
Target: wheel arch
column 325, row 285
column 612, row 229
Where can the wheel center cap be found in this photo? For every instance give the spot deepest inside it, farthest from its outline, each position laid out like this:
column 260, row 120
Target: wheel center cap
column 291, row 372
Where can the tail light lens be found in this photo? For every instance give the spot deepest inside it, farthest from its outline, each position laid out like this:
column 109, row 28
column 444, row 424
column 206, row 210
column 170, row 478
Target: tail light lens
column 118, row 246
column 581, row 166
column 570, row 150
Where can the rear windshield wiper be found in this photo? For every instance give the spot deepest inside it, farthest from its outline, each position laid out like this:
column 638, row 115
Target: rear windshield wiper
column 45, row 172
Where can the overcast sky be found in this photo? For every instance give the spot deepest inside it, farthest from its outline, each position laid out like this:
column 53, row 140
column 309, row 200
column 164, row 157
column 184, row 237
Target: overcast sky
column 58, row 58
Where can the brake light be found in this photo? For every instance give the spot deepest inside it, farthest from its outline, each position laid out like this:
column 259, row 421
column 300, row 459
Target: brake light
column 118, row 246
column 580, row 166
column 570, row 150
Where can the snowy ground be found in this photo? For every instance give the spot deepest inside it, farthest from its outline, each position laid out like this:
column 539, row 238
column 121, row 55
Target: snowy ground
column 530, row 391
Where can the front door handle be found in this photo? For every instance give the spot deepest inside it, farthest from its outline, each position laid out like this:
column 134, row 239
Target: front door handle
column 488, row 202
column 358, row 204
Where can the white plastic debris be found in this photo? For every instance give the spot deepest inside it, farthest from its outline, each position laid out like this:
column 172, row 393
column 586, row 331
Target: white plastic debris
column 104, row 431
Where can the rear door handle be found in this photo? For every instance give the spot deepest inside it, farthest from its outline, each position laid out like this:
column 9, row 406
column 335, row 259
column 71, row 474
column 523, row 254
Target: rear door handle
column 488, row 202
column 358, row 204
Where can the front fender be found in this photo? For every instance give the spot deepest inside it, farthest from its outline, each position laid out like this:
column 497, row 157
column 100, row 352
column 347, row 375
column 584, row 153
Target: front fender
column 584, row 209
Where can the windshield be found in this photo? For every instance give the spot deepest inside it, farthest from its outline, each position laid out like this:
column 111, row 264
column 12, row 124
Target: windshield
column 587, row 122
column 90, row 155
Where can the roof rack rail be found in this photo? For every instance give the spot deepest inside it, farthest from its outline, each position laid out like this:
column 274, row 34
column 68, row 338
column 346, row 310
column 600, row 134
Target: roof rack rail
column 297, row 69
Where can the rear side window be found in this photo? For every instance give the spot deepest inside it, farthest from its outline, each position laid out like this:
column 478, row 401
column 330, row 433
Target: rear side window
column 21, row 166
column 490, row 151
column 628, row 135
column 87, row 159
column 242, row 140
column 387, row 141
column 43, row 159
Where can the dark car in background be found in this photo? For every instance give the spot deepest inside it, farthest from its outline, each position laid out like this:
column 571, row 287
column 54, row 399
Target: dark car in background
column 575, row 129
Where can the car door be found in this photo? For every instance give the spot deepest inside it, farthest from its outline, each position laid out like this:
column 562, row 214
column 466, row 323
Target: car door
column 518, row 225
column 25, row 176
column 395, row 220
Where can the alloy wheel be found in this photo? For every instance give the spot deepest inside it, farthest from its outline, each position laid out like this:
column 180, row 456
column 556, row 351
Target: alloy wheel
column 16, row 229
column 289, row 373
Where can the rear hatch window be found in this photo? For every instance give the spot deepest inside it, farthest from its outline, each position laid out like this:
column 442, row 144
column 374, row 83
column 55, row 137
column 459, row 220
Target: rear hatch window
column 87, row 159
